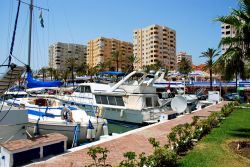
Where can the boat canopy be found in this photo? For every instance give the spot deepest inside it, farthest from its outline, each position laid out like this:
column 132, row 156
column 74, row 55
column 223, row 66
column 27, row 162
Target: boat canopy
column 32, row 83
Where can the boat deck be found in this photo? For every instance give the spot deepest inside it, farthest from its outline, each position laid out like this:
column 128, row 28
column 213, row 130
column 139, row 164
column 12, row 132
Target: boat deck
column 135, row 140
column 34, row 142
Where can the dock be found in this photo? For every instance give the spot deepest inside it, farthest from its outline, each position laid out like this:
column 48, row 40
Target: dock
column 135, row 140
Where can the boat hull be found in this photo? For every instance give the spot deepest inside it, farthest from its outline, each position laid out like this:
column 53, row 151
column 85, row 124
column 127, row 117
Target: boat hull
column 13, row 124
column 67, row 129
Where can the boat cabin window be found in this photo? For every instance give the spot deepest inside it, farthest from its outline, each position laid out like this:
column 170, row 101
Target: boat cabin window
column 149, row 102
column 83, row 89
column 78, row 89
column 41, row 102
column 110, row 100
column 87, row 89
column 156, row 103
column 13, row 96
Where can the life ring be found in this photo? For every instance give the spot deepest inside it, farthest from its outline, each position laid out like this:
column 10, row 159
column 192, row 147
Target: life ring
column 66, row 114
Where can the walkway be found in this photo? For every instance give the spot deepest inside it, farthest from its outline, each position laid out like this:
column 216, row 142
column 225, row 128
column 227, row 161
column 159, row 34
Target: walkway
column 136, row 140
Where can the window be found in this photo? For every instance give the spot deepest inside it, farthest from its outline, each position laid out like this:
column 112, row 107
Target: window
column 148, row 102
column 98, row 99
column 119, row 101
column 156, row 103
column 78, row 89
column 104, row 100
column 110, row 100
column 87, row 89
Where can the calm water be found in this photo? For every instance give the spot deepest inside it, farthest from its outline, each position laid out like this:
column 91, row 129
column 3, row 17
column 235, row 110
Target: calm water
column 118, row 127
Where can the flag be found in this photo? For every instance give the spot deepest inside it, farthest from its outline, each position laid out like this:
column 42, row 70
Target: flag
column 41, row 19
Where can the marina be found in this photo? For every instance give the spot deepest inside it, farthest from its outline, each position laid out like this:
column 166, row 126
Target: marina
column 102, row 101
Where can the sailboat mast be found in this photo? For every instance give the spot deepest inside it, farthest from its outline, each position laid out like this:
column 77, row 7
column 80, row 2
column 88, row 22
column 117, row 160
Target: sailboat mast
column 30, row 32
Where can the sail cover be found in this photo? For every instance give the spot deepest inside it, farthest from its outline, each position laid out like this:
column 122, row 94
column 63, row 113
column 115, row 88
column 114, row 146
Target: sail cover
column 32, row 83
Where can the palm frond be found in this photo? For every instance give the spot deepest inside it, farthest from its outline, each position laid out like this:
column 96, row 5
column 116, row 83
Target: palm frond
column 231, row 20
column 245, row 6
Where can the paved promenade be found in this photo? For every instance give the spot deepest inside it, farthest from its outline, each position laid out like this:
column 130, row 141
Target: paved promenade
column 136, row 140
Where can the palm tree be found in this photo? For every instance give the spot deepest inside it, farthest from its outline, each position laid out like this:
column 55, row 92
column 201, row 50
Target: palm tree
column 65, row 74
column 131, row 60
column 51, row 71
column 43, row 71
column 56, row 74
column 101, row 66
column 210, row 54
column 116, row 57
column 71, row 63
column 92, row 71
column 81, row 69
column 184, row 66
column 238, row 50
column 147, row 68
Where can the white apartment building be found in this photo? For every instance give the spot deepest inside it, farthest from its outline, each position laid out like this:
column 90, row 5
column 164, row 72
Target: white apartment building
column 181, row 55
column 155, row 43
column 59, row 53
column 226, row 31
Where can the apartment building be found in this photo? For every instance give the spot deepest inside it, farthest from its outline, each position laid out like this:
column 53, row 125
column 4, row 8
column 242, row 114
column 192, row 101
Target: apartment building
column 59, row 53
column 155, row 43
column 100, row 50
column 181, row 55
column 226, row 31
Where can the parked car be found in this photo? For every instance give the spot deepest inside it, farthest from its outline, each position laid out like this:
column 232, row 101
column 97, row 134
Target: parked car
column 231, row 96
column 202, row 96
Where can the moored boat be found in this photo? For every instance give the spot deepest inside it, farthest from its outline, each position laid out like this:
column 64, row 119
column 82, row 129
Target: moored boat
column 50, row 115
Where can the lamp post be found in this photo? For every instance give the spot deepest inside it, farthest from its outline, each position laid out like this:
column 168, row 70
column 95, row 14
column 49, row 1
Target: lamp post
column 183, row 79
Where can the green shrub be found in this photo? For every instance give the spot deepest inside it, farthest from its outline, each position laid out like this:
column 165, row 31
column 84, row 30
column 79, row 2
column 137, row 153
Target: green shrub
column 99, row 156
column 213, row 120
column 195, row 120
column 180, row 138
column 162, row 157
column 130, row 160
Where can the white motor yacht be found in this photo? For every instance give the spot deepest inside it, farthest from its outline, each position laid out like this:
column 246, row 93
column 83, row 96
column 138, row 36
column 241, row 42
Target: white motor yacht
column 132, row 101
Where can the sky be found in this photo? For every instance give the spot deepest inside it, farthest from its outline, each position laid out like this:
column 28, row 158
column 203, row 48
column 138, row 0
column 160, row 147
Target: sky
column 78, row 21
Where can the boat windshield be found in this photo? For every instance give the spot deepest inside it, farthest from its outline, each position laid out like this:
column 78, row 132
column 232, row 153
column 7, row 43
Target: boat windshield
column 109, row 100
column 83, row 89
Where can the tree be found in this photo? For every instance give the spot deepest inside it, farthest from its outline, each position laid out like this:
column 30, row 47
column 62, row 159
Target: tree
column 210, row 54
column 116, row 57
column 81, row 69
column 71, row 63
column 91, row 71
column 57, row 74
column 51, row 71
column 43, row 71
column 101, row 66
column 131, row 60
column 238, row 50
column 65, row 74
column 156, row 66
column 184, row 66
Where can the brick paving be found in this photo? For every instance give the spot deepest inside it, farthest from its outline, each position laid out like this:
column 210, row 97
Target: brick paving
column 136, row 140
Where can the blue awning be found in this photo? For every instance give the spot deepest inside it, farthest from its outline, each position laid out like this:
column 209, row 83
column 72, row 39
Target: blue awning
column 112, row 73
